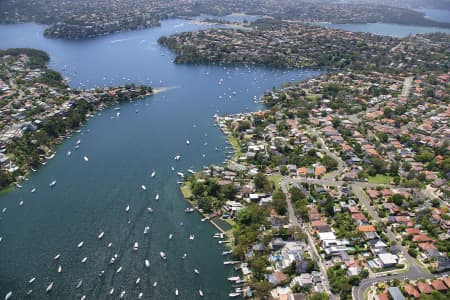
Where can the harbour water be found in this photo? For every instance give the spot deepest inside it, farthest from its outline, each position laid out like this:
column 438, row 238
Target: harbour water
column 91, row 196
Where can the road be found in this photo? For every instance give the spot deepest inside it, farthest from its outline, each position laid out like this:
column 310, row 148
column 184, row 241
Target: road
column 314, row 254
column 341, row 163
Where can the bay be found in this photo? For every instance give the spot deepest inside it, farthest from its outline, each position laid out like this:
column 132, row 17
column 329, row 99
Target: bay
column 90, row 197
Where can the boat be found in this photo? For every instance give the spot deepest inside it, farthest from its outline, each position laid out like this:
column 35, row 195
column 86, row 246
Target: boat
column 146, row 229
column 176, row 292
column 177, row 157
column 127, row 209
column 57, row 256
column 163, row 255
column 111, row 291
column 191, row 237
column 85, row 158
column 153, row 174
column 79, row 283
column 119, row 269
column 29, row 292
column 9, row 295
column 59, row 269
column 170, row 236
column 113, row 259
column 20, row 203
column 172, row 168
column 136, row 246
column 157, row 196
column 191, row 171
column 184, row 256
column 155, row 283
column 3, row 210
column 218, row 235
column 189, row 210
column 78, row 142
column 32, row 280
column 33, row 190
column 180, row 174
column 234, row 295
column 150, row 210
column 138, row 280
column 141, row 294
column 77, row 147
column 227, row 252
column 102, row 272
column 234, row 278
column 147, row 263
column 231, row 262
column 187, row 142
column 143, row 187
column 200, row 292
column 109, row 245
column 80, row 244
column 100, row 236
column 52, row 184
column 83, row 297
column 84, row 260
column 196, row 271
column 224, row 242
column 49, row 287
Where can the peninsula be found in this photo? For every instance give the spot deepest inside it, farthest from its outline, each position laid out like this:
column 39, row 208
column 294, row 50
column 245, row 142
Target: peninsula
column 38, row 110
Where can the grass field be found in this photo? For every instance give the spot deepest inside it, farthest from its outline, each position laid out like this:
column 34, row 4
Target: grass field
column 275, row 179
column 381, row 179
column 186, row 190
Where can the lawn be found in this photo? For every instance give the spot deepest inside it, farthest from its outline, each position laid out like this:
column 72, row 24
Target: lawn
column 381, row 179
column 275, row 179
column 235, row 144
column 186, row 190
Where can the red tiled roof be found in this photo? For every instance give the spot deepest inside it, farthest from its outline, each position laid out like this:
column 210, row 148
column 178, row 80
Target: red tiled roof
column 427, row 246
column 383, row 296
column 412, row 291
column 412, row 231
column 439, row 285
column 366, row 228
column 447, row 281
column 424, row 288
column 421, row 238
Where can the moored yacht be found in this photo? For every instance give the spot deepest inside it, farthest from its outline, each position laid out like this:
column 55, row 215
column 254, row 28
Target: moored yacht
column 53, row 183
column 33, row 190
column 196, row 271
column 157, row 196
column 200, row 292
column 153, row 174
column 150, row 210
column 155, row 283
column 100, row 236
column 8, row 295
column 85, row 158
column 143, row 187
column 49, row 287
column 189, row 210
column 32, row 280
column 127, row 209
column 234, row 295
column 84, row 260
column 59, row 269
column 146, row 230
column 111, row 291
column 80, row 244
column 136, row 246
column 191, row 237
column 113, row 259
column 138, row 280
column 163, row 255
column 119, row 269
column 176, row 292
column 170, row 236
column 147, row 263
column 57, row 256
column 141, row 295
column 79, row 283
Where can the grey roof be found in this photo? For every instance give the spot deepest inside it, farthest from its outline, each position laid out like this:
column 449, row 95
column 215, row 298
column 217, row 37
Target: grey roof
column 395, row 293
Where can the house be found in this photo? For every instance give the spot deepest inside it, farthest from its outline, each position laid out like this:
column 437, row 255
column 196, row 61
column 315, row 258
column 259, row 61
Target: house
column 304, row 280
column 424, row 288
column 439, row 285
column 276, row 277
column 387, row 260
column 443, row 263
column 395, row 293
column 411, row 291
column 366, row 228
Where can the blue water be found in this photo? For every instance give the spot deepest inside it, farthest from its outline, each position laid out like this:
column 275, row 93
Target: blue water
column 440, row 15
column 394, row 30
column 90, row 197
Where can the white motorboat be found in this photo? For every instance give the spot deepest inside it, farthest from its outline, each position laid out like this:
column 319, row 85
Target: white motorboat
column 29, row 292
column 196, row 271
column 59, row 269
column 79, row 283
column 85, row 158
column 127, row 209
column 32, row 280
column 49, row 287
column 138, row 280
column 157, row 196
column 136, row 246
column 80, row 244
column 69, row 153
column 143, row 187
column 53, row 183
column 191, row 171
column 184, row 256
column 234, row 295
column 119, row 269
column 153, row 174
column 100, row 236
column 178, row 157
column 102, row 272
column 172, row 168
column 147, row 263
column 155, row 283
column 234, row 278
column 33, row 190
column 200, row 292
column 146, row 230
column 20, row 203
column 227, row 252
column 113, row 259
column 83, row 297
column 187, row 142
column 163, row 255
column 180, row 174
column 3, row 210
column 8, row 295
column 84, row 260
column 176, row 292
column 189, row 210
column 191, row 237
column 170, row 236
column 57, row 256
column 78, row 142
column 109, row 245
column 141, row 295
column 150, row 210
column 111, row 291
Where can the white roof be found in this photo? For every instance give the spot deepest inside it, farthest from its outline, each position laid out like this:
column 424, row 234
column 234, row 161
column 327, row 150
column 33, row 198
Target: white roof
column 388, row 258
column 326, row 236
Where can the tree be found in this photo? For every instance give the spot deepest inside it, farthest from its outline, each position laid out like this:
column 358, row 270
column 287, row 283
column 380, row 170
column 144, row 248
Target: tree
column 262, row 289
column 279, row 202
column 397, row 199
column 318, row 296
column 329, row 162
column 296, row 194
column 258, row 264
